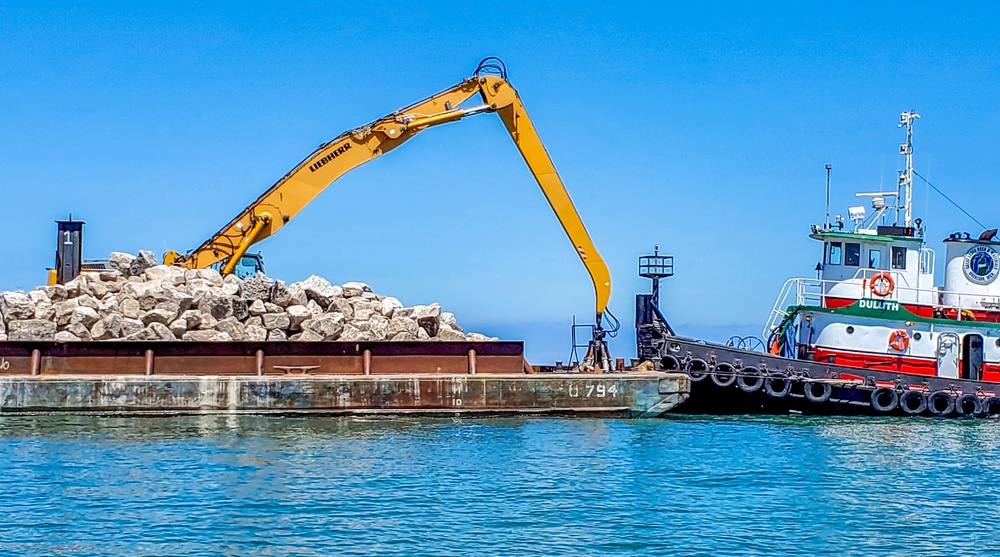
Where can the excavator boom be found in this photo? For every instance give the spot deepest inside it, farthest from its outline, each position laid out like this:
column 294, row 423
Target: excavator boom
column 282, row 201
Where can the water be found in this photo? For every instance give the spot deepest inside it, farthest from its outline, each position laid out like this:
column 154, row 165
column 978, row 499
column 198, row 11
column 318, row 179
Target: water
column 225, row 485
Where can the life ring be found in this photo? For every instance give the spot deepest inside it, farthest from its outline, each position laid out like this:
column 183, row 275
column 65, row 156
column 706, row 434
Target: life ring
column 899, row 340
column 882, row 284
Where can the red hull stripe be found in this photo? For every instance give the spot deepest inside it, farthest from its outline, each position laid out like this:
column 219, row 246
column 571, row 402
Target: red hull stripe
column 893, row 363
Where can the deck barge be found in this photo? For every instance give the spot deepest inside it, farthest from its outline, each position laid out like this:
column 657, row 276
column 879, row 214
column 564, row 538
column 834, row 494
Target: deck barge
column 315, row 377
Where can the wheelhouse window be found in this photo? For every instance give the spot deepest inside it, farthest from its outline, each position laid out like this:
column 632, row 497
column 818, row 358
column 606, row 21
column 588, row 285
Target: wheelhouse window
column 852, row 255
column 835, row 253
column 875, row 259
column 898, row 257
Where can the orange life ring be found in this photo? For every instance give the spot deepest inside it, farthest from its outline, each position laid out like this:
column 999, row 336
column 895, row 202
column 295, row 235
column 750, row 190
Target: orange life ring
column 899, row 340
column 882, row 284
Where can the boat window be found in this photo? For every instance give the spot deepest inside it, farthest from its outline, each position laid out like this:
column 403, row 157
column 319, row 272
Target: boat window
column 874, row 259
column 836, row 253
column 852, row 255
column 898, row 257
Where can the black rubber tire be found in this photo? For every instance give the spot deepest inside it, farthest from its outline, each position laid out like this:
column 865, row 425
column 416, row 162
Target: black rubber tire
column 724, row 375
column 991, row 406
column 879, row 401
column 968, row 405
column 782, row 380
column 669, row 363
column 750, row 380
column 921, row 407
column 824, row 394
column 936, row 399
column 697, row 369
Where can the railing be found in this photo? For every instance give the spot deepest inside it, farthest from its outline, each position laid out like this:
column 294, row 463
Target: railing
column 814, row 292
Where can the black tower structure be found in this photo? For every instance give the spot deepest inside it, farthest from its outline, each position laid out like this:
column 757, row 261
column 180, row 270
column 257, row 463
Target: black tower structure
column 69, row 249
column 651, row 328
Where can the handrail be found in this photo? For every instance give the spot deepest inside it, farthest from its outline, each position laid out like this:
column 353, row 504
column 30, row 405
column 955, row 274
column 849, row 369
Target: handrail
column 813, row 292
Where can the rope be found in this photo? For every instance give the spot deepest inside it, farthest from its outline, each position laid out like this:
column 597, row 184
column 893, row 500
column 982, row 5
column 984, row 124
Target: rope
column 949, row 200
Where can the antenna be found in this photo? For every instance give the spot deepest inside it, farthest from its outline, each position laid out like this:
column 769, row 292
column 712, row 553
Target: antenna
column 829, row 167
column 906, row 176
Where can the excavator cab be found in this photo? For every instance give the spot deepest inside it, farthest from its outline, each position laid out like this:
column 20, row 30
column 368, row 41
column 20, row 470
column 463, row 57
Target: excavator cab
column 250, row 264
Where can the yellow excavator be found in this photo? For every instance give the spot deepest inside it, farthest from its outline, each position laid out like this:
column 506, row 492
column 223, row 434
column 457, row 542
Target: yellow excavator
column 282, row 201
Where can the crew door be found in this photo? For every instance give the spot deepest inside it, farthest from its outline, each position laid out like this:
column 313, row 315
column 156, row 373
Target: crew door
column 948, row 355
column 972, row 357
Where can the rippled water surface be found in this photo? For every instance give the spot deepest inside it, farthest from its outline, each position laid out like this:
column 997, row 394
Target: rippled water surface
column 346, row 486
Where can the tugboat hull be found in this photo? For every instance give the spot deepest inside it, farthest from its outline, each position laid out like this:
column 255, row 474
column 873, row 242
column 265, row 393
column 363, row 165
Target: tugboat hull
column 727, row 380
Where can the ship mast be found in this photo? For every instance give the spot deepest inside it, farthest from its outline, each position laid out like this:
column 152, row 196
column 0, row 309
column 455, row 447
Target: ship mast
column 906, row 176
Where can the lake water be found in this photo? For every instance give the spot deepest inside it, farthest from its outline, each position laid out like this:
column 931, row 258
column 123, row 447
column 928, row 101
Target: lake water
column 225, row 485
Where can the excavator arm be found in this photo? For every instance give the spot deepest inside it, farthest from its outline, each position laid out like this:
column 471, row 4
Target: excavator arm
column 282, row 201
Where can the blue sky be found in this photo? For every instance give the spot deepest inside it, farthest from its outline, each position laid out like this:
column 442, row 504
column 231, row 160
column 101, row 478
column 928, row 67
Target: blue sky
column 703, row 127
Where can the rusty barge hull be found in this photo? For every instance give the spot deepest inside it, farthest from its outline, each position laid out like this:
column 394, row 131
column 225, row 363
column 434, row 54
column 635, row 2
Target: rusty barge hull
column 322, row 377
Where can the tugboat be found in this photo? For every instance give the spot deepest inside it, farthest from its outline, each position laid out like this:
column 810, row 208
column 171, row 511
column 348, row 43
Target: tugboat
column 871, row 334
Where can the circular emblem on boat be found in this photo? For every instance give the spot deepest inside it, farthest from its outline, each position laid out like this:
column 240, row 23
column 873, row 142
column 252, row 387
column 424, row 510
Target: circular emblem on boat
column 982, row 264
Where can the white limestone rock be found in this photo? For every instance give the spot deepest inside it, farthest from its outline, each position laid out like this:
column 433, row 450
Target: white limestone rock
column 255, row 333
column 130, row 327
column 296, row 315
column 319, row 289
column 256, row 308
column 327, row 325
column 107, row 328
column 429, row 318
column 129, row 307
column 404, row 325
column 31, row 329
column 143, row 261
column 166, row 273
column 207, row 336
column 56, row 292
column 341, row 305
column 158, row 315
column 231, row 326
column 212, row 276
column 17, row 305
column 80, row 331
column 192, row 317
column 84, row 315
column 257, row 287
column 388, row 305
column 308, row 336
column 121, row 262
column 446, row 333
column 276, row 321
column 448, row 320
column 65, row 336
column 178, row 327
column 378, row 326
column 44, row 310
column 161, row 331
column 352, row 289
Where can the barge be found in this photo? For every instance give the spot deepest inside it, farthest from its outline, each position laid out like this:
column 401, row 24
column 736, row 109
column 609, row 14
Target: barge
column 449, row 378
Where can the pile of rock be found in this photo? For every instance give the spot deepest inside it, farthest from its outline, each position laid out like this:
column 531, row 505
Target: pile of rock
column 139, row 300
